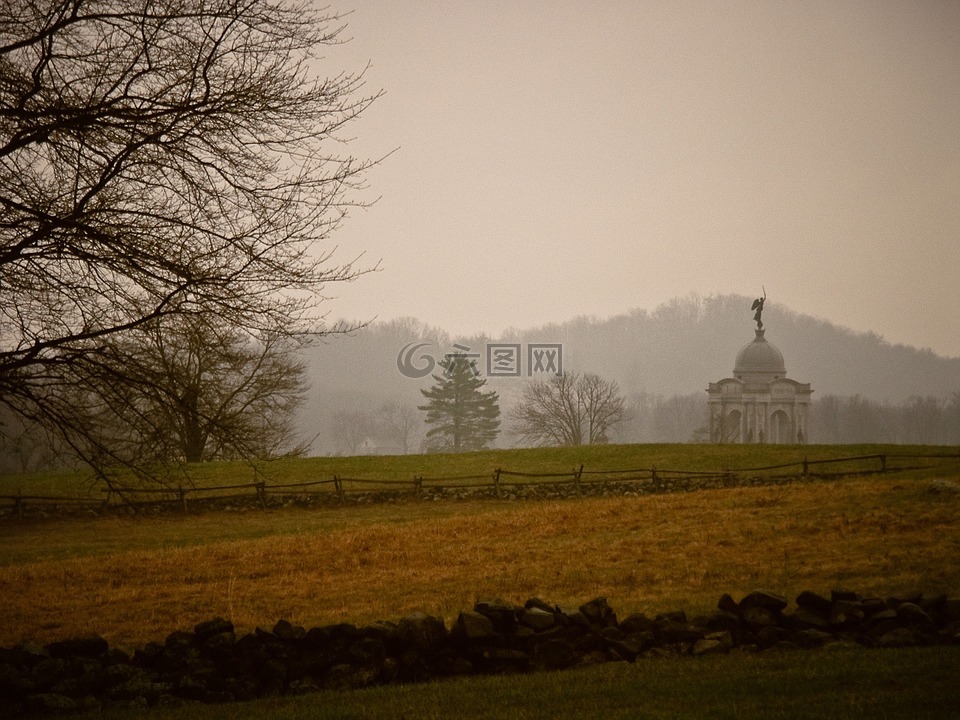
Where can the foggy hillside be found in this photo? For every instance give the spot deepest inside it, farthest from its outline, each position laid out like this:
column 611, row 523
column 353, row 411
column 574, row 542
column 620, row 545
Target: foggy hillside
column 684, row 344
column 675, row 349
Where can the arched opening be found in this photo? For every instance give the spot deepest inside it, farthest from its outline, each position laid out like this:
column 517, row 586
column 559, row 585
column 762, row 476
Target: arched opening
column 781, row 429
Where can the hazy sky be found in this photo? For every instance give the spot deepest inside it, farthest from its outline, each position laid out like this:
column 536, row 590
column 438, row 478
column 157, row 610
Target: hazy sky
column 557, row 159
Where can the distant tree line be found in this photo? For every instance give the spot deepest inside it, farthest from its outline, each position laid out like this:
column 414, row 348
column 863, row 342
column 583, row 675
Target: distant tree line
column 394, row 429
column 834, row 419
column 916, row 421
column 655, row 418
column 547, row 414
column 397, row 428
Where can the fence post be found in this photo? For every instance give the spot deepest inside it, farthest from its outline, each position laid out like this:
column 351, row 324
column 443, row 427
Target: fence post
column 806, row 467
column 18, row 503
column 653, row 477
column 339, row 488
column 496, row 481
column 261, row 488
column 418, row 486
column 576, row 480
column 183, row 497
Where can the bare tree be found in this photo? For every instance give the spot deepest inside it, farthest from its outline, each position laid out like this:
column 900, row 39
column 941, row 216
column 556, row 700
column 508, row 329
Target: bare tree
column 924, row 416
column 161, row 160
column 568, row 409
column 952, row 412
column 603, row 407
column 655, row 418
column 350, row 428
column 400, row 423
column 25, row 446
column 196, row 390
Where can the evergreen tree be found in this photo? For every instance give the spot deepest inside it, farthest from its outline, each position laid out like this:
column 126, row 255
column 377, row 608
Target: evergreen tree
column 462, row 416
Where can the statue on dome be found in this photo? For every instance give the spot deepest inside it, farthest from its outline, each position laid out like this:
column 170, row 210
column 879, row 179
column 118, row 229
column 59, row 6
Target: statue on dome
column 758, row 306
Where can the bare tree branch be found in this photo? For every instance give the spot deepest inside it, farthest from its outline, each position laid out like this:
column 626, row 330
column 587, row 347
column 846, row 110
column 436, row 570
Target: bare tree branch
column 162, row 160
column 568, row 409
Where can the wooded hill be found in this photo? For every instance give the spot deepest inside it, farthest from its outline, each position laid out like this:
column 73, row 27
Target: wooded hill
column 671, row 352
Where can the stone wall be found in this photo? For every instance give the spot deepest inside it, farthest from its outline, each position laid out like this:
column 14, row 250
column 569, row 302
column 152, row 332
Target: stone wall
column 212, row 664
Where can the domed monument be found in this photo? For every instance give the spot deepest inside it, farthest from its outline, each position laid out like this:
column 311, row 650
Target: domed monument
column 759, row 404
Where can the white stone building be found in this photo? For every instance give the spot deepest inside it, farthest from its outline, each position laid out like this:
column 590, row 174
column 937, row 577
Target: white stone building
column 759, row 404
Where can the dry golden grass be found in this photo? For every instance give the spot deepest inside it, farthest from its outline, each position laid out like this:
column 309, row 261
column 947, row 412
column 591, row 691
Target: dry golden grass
column 650, row 553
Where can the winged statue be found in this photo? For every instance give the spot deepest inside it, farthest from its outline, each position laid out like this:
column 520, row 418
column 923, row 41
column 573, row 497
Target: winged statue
column 758, row 306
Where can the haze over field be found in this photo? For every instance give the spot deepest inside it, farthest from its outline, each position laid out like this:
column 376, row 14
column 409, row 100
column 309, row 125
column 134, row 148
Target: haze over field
column 563, row 159
column 621, row 178
column 662, row 358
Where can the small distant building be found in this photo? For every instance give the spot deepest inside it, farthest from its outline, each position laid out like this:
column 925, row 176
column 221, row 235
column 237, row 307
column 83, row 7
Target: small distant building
column 369, row 446
column 759, row 404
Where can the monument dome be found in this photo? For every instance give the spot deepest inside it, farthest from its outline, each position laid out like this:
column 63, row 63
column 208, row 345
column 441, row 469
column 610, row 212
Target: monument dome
column 759, row 358
column 759, row 404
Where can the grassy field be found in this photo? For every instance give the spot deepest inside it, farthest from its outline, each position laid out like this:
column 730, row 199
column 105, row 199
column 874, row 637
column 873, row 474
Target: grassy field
column 406, row 467
column 135, row 579
column 832, row 684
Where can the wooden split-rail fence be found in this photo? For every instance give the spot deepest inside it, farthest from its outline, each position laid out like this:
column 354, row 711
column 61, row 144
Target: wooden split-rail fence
column 499, row 483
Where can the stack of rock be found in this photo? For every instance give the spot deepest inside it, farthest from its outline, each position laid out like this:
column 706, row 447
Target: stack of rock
column 211, row 664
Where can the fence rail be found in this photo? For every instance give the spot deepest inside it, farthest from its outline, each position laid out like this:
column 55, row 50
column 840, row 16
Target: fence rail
column 656, row 479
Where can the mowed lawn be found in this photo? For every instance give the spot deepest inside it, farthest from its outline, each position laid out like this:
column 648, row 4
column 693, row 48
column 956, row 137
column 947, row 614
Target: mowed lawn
column 134, row 580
